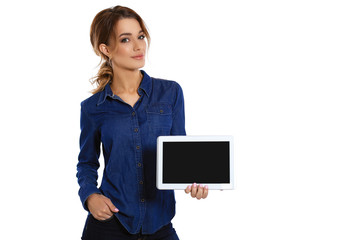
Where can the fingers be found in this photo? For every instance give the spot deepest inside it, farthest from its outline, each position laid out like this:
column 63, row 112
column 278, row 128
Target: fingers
column 102, row 214
column 197, row 191
column 101, row 207
column 206, row 192
column 111, row 205
column 193, row 190
column 200, row 191
column 188, row 189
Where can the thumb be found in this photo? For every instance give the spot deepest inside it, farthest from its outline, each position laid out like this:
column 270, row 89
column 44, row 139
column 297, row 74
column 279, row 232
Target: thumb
column 111, row 205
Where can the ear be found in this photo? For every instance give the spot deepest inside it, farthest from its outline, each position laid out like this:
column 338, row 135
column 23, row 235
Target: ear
column 104, row 49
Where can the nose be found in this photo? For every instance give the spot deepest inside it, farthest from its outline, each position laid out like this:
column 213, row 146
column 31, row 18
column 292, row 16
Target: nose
column 137, row 46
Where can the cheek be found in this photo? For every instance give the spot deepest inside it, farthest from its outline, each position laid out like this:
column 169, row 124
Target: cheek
column 122, row 52
column 121, row 56
column 143, row 44
column 145, row 47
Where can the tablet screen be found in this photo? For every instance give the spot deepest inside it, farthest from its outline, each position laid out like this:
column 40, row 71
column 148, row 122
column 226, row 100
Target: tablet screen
column 200, row 162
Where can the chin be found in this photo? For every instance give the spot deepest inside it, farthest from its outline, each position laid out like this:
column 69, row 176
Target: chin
column 140, row 65
column 133, row 67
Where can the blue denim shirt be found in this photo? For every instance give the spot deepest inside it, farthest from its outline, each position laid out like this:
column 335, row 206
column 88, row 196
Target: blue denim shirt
column 127, row 136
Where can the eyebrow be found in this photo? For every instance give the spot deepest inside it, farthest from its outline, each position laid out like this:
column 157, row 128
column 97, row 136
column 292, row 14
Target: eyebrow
column 129, row 34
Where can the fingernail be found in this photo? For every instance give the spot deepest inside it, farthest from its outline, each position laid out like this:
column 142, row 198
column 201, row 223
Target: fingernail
column 206, row 187
column 194, row 184
column 116, row 209
column 201, row 185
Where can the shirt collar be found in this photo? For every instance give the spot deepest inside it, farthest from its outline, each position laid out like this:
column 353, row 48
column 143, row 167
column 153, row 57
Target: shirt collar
column 145, row 86
column 146, row 83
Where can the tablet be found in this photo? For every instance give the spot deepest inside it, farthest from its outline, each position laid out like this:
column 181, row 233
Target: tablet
column 184, row 160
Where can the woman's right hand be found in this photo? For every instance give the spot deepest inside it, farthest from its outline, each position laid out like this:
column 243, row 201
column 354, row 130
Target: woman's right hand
column 100, row 206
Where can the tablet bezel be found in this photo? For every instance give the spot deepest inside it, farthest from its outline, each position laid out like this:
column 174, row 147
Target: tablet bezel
column 177, row 186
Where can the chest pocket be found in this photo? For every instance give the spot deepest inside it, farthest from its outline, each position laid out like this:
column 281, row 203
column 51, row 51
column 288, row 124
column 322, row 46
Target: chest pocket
column 159, row 117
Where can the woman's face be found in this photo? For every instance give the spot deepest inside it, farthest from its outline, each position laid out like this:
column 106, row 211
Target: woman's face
column 127, row 50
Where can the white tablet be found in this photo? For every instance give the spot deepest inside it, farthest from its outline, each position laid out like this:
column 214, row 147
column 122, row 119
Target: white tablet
column 184, row 160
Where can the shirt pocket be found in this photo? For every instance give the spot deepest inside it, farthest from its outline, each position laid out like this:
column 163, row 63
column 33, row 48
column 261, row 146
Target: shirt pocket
column 159, row 118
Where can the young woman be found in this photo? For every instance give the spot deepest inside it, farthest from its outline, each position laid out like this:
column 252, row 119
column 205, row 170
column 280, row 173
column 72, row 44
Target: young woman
column 126, row 113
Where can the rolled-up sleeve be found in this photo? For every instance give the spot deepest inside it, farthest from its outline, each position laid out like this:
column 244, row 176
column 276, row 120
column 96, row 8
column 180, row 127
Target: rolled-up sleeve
column 88, row 163
column 178, row 125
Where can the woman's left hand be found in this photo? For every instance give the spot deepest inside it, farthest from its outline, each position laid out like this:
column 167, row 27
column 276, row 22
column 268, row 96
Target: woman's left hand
column 197, row 191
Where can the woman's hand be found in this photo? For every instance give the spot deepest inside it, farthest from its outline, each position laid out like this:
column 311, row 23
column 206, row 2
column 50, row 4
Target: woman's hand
column 100, row 206
column 198, row 191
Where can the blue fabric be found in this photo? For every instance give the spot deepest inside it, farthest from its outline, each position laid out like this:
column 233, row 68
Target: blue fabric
column 127, row 136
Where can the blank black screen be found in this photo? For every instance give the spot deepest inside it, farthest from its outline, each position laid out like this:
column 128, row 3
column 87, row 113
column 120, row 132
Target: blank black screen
column 200, row 162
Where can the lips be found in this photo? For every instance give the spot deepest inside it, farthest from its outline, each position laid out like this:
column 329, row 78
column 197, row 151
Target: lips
column 138, row 57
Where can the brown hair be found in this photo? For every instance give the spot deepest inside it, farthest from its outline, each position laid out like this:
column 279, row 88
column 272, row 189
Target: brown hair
column 102, row 29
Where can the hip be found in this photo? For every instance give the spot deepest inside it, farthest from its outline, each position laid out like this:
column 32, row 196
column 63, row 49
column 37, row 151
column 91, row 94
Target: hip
column 112, row 229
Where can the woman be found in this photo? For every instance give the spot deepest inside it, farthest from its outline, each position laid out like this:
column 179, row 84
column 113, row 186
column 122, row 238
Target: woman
column 126, row 113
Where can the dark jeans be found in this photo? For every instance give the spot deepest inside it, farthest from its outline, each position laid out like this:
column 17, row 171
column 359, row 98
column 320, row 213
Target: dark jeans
column 112, row 229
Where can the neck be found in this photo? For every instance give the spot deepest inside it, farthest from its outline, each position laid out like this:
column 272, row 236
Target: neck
column 126, row 81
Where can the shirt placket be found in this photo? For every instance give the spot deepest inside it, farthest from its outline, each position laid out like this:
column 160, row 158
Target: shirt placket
column 139, row 165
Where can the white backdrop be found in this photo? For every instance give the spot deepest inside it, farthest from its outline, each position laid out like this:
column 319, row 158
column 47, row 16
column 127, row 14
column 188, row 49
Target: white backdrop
column 281, row 76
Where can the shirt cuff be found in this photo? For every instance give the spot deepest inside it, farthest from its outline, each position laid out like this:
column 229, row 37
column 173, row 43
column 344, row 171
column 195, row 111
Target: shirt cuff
column 85, row 192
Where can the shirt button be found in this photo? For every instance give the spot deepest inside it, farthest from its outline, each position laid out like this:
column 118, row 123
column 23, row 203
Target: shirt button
column 136, row 130
column 137, row 147
column 141, row 182
column 142, row 200
column 133, row 113
column 161, row 111
column 139, row 164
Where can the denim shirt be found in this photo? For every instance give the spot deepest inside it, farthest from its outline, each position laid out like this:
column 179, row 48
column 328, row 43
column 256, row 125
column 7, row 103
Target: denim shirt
column 127, row 136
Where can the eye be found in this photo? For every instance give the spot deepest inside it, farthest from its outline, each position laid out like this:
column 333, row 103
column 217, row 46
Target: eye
column 125, row 40
column 142, row 37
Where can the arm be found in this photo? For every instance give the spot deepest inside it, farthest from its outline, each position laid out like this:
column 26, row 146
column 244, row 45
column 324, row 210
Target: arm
column 93, row 201
column 88, row 163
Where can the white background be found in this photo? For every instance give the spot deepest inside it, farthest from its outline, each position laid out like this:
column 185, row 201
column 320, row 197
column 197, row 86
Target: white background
column 281, row 76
